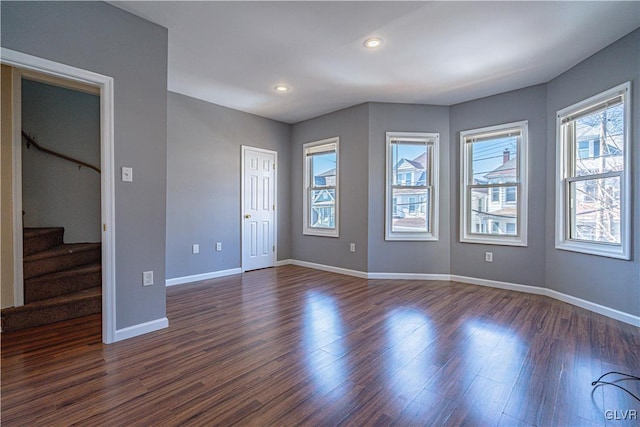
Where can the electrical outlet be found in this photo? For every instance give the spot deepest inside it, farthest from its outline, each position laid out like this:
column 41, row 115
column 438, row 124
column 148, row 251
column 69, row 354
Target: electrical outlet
column 147, row 278
column 218, row 246
column 195, row 248
column 488, row 256
column 352, row 247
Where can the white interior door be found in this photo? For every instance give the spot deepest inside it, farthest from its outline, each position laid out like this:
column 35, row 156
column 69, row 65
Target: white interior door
column 259, row 208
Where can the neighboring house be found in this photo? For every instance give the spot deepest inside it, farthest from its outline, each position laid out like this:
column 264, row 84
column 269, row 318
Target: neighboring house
column 495, row 207
column 410, row 204
column 597, row 201
column 323, row 205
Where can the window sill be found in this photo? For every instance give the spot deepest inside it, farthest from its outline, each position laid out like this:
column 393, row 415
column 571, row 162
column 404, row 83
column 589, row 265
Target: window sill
column 411, row 237
column 500, row 241
column 321, row 233
column 609, row 251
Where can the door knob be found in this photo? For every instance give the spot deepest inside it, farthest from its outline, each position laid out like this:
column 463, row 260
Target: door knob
column 247, row 216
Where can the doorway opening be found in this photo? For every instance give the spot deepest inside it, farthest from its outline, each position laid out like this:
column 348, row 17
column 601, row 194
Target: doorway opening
column 88, row 239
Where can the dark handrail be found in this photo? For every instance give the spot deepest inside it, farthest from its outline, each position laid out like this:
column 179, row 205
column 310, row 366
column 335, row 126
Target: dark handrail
column 31, row 141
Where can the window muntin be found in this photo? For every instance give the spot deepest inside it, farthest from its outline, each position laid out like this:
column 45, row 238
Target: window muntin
column 494, row 185
column 412, row 186
column 321, row 188
column 592, row 206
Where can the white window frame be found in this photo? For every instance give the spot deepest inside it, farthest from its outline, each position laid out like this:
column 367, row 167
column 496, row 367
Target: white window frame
column 325, row 145
column 564, row 156
column 428, row 139
column 467, row 235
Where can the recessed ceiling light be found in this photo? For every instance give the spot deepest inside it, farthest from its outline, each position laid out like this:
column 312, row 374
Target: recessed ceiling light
column 281, row 88
column 372, row 42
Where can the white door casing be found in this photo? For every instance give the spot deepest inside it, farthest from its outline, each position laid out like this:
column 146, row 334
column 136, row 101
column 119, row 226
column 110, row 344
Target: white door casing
column 104, row 85
column 258, row 208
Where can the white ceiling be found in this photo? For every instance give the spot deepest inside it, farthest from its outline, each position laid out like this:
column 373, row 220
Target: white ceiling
column 442, row 53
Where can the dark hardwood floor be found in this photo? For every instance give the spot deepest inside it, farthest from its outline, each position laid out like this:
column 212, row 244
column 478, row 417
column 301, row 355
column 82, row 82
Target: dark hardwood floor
column 293, row 346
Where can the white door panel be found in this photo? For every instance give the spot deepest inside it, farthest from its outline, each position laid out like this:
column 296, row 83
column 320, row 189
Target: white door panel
column 258, row 246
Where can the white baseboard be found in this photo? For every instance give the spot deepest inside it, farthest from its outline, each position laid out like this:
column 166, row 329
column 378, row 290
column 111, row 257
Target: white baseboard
column 140, row 329
column 569, row 299
column 596, row 308
column 365, row 275
column 284, row 262
column 330, row 268
column 408, row 276
column 500, row 285
column 203, row 276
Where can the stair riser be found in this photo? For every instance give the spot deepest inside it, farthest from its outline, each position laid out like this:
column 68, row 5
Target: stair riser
column 48, row 315
column 31, row 245
column 59, row 263
column 36, row 289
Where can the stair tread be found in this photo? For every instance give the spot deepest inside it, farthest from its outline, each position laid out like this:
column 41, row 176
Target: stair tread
column 40, row 239
column 60, row 300
column 81, row 269
column 61, row 250
column 39, row 231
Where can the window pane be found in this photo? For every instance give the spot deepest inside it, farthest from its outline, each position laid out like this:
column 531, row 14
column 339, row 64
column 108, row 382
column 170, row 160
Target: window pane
column 495, row 160
column 599, row 142
column 410, row 210
column 410, row 164
column 596, row 216
column 492, row 218
column 323, row 211
column 495, row 194
column 323, row 170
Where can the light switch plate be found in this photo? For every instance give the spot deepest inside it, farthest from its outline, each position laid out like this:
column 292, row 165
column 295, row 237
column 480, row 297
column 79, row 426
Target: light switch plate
column 195, row 248
column 127, row 174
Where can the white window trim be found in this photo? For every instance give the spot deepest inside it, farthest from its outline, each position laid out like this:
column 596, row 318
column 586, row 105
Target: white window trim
column 522, row 198
column 563, row 242
column 432, row 139
column 315, row 231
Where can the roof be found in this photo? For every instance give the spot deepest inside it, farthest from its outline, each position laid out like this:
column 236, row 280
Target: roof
column 507, row 169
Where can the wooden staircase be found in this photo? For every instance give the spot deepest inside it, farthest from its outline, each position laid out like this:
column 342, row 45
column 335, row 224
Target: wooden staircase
column 61, row 281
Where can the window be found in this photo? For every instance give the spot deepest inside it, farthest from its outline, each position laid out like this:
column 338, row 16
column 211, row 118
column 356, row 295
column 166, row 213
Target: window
column 495, row 195
column 593, row 195
column 412, row 186
column 494, row 179
column 321, row 188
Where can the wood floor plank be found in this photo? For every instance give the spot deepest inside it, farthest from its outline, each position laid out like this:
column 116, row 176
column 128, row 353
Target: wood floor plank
column 294, row 346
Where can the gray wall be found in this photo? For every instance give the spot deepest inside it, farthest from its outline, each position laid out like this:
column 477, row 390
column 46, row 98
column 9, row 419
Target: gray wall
column 406, row 257
column 55, row 192
column 203, row 183
column 101, row 38
column 104, row 39
column 351, row 125
column 606, row 281
column 521, row 265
